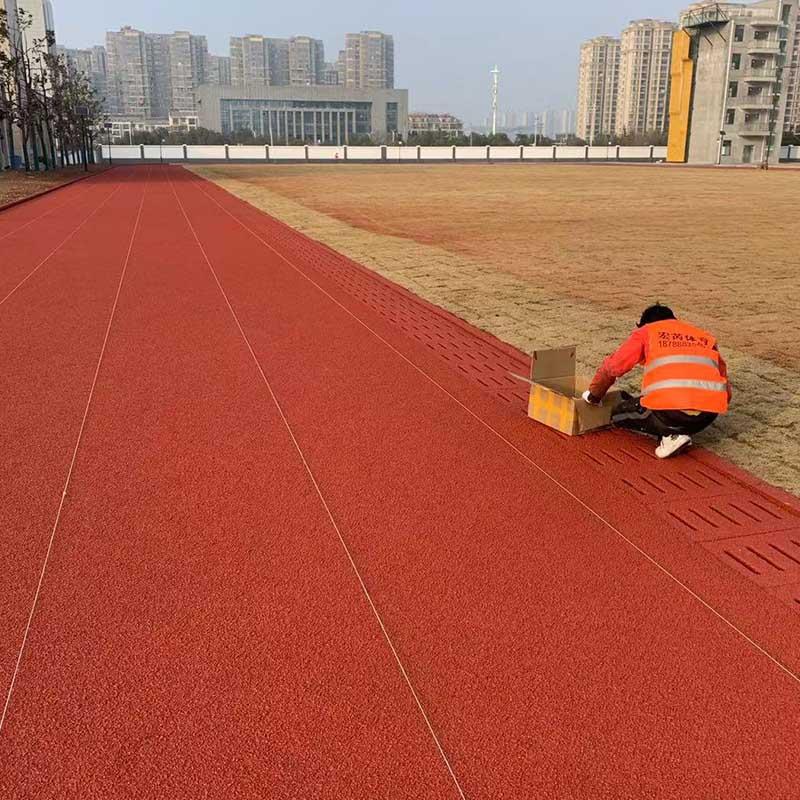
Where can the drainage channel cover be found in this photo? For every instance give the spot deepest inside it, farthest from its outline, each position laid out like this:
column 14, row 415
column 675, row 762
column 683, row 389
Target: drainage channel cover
column 749, row 530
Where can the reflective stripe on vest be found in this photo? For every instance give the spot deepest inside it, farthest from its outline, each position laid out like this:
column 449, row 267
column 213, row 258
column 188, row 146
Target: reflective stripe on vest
column 682, row 370
column 705, row 386
column 667, row 360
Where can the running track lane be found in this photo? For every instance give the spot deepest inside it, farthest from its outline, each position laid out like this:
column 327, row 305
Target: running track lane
column 777, row 630
column 199, row 632
column 554, row 661
column 554, row 658
column 51, row 331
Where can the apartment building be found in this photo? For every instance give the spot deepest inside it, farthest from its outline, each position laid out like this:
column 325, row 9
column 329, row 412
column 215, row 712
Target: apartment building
column 264, row 61
column 341, row 68
column 330, row 74
column 368, row 60
column 249, row 61
column 41, row 17
column 306, row 61
column 278, row 58
column 92, row 62
column 598, row 78
column 644, row 73
column 421, row 123
column 129, row 74
column 151, row 75
column 218, row 70
column 159, row 70
column 730, row 89
column 188, row 64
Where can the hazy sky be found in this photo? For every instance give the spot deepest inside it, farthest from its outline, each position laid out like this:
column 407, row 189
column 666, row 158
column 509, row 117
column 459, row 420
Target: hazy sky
column 444, row 49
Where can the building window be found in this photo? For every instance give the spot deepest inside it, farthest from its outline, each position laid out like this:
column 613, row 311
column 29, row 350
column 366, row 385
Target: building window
column 786, row 14
column 758, row 63
column 755, row 91
column 391, row 117
column 726, row 147
column 738, row 35
column 730, row 116
column 736, row 61
column 760, row 36
column 733, row 89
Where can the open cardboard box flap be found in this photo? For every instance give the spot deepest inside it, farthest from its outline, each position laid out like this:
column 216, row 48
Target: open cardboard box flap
column 555, row 396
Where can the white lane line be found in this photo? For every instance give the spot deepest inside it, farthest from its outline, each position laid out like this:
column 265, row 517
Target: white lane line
column 755, row 645
column 328, row 511
column 61, row 244
column 72, row 464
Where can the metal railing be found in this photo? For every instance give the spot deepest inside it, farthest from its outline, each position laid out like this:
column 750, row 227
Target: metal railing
column 706, row 15
column 755, row 101
column 760, row 73
column 763, row 45
column 756, row 127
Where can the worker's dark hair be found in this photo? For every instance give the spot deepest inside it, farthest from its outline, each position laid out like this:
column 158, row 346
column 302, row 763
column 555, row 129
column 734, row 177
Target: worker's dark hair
column 656, row 313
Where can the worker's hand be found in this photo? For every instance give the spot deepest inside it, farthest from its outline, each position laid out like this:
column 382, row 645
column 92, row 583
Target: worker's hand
column 591, row 399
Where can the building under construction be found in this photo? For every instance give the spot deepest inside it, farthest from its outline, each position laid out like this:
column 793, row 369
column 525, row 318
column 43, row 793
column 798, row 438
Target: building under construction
column 729, row 82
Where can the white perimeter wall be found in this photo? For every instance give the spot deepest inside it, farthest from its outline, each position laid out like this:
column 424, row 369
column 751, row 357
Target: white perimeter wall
column 251, row 153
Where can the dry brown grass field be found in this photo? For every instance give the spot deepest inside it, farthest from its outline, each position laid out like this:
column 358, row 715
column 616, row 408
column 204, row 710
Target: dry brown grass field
column 547, row 255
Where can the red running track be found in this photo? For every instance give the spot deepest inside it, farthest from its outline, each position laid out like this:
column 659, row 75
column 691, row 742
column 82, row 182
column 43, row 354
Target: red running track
column 299, row 555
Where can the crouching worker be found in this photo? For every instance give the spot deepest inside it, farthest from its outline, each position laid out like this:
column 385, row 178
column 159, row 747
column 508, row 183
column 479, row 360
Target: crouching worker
column 685, row 385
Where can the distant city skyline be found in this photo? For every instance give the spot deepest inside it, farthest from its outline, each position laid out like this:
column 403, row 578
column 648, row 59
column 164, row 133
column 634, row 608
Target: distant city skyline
column 443, row 53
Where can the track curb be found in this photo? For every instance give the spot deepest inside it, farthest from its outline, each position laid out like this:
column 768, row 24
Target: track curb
column 29, row 197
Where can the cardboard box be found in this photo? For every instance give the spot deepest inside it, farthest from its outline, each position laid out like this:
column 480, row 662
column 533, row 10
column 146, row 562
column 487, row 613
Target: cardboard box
column 555, row 398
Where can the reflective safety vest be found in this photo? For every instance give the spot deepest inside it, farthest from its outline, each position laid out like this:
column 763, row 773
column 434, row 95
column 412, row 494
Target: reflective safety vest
column 681, row 371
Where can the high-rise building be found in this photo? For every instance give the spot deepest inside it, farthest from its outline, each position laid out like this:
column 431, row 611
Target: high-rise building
column 99, row 72
column 41, row 18
column 92, row 63
column 643, row 88
column 341, row 68
column 278, row 60
column 40, row 26
column 249, row 61
column 330, row 74
column 306, row 61
column 567, row 119
column 369, row 60
column 154, row 75
column 159, row 73
column 597, row 87
column 188, row 56
column 259, row 61
column 129, row 79
column 729, row 92
column 218, row 70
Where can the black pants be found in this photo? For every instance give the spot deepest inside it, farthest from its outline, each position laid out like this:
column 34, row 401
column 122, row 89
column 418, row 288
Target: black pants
column 631, row 415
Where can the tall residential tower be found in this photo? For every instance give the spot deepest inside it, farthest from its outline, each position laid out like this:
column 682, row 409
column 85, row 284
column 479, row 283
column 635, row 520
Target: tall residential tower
column 643, row 90
column 369, row 60
column 598, row 78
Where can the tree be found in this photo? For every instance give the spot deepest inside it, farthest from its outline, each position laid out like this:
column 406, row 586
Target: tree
column 44, row 98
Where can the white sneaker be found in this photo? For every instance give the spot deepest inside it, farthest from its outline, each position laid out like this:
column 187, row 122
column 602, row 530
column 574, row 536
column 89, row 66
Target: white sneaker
column 672, row 445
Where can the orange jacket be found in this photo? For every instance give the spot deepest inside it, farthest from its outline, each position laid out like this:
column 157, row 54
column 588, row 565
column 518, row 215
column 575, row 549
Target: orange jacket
column 639, row 349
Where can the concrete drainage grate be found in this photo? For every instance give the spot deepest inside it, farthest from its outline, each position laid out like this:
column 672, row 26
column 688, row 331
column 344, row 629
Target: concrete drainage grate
column 771, row 559
column 748, row 530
